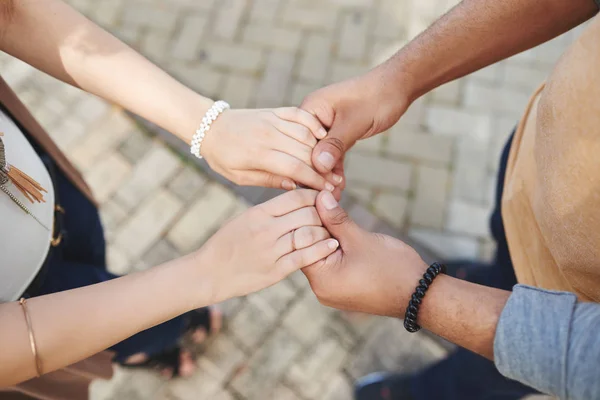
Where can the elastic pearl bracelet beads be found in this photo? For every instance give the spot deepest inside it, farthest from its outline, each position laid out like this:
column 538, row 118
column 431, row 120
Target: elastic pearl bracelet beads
column 211, row 115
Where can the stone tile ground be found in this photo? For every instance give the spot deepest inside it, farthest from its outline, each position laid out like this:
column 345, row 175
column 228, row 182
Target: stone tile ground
column 280, row 343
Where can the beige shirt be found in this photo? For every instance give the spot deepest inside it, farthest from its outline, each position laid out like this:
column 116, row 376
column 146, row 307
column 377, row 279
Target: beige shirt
column 551, row 201
column 24, row 242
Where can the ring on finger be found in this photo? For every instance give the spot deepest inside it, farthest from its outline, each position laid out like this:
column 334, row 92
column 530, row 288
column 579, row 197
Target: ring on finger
column 294, row 248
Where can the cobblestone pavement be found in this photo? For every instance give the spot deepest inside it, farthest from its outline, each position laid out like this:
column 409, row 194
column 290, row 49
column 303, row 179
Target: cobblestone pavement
column 430, row 179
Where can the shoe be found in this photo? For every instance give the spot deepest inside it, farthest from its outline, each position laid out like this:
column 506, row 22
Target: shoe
column 383, row 386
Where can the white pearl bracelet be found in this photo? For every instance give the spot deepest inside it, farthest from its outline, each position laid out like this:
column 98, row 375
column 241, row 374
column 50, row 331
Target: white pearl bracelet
column 210, row 117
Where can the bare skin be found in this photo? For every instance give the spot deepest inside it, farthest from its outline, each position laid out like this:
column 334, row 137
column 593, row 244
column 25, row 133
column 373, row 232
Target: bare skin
column 251, row 252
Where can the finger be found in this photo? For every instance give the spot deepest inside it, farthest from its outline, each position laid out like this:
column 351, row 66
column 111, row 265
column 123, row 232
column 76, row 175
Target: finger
column 308, row 256
column 288, row 202
column 301, row 238
column 306, row 216
column 283, row 164
column 266, row 179
column 286, row 144
column 335, row 219
column 294, row 114
column 296, row 131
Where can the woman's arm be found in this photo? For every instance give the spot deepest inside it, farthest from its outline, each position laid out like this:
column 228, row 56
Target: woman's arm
column 255, row 250
column 56, row 39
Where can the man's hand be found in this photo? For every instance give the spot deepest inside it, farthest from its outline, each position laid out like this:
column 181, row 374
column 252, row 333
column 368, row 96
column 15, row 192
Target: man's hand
column 370, row 272
column 355, row 109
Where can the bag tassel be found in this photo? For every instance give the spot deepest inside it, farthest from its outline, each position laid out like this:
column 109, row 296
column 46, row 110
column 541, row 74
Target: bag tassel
column 25, row 184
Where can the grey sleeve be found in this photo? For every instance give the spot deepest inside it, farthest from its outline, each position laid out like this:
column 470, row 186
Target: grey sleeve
column 549, row 341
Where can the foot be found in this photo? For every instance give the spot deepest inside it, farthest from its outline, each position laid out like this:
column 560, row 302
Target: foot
column 383, row 386
column 187, row 365
column 200, row 334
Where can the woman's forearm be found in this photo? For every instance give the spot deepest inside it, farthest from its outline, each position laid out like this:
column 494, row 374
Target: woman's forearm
column 73, row 325
column 53, row 37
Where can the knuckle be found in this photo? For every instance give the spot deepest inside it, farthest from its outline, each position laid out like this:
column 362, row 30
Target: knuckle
column 336, row 144
column 339, row 218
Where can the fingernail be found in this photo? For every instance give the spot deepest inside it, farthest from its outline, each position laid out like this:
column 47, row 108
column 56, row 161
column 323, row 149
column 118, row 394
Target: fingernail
column 326, row 160
column 333, row 244
column 288, row 185
column 321, row 133
column 329, row 186
column 338, row 179
column 329, row 201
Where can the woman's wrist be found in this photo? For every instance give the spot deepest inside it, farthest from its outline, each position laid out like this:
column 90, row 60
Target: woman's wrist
column 193, row 108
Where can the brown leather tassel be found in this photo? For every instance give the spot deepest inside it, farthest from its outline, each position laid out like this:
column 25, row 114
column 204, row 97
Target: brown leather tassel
column 26, row 184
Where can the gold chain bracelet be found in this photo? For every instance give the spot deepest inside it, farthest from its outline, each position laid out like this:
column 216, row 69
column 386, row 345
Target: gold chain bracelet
column 38, row 362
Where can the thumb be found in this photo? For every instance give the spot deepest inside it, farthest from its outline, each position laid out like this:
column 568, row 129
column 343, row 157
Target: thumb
column 330, row 150
column 335, row 219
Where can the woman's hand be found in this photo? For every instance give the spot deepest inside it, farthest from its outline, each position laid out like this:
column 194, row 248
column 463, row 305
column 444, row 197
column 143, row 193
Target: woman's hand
column 264, row 245
column 270, row 148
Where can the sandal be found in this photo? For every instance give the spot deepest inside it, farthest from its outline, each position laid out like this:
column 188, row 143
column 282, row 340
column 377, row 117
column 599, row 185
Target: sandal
column 167, row 363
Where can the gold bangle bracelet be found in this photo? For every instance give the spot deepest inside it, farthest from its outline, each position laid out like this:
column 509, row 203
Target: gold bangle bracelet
column 38, row 362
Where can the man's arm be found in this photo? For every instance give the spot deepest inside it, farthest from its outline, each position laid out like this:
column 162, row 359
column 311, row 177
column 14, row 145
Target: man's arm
column 549, row 341
column 474, row 34
column 377, row 274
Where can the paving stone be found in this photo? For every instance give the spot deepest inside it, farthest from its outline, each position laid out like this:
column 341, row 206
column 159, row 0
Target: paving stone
column 239, row 90
column 277, row 297
column 223, row 356
column 276, row 79
column 147, row 224
column 106, row 13
column 353, row 40
column 483, row 97
column 250, row 325
column 298, row 280
column 202, row 386
column 420, row 146
column 322, row 19
column 450, row 93
column 201, row 78
column 446, row 120
column 430, row 199
column 299, row 91
column 107, row 175
column 376, row 171
column 468, row 218
column 69, row 131
column 202, row 219
column 306, row 319
column 112, row 215
column 315, row 368
column 272, row 37
column 362, row 194
column 266, row 366
column 160, row 253
column 317, row 51
column 521, row 76
column 158, row 16
column 228, row 17
column 339, row 388
column 101, row 139
column 148, row 174
column 235, row 57
column 487, row 251
column 187, row 184
column 117, row 262
column 340, row 71
column 363, row 217
column 374, row 144
column 470, row 173
column 449, row 246
column 392, row 207
column 135, row 146
column 387, row 22
column 264, row 11
column 187, row 42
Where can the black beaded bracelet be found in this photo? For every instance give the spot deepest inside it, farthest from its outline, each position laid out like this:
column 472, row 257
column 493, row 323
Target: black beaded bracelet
column 410, row 317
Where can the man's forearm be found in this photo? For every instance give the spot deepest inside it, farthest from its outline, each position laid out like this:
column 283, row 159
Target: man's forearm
column 53, row 37
column 464, row 313
column 477, row 33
